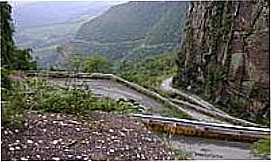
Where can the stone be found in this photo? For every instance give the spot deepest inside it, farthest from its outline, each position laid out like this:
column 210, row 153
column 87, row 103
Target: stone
column 18, row 148
column 78, row 157
column 23, row 159
column 11, row 149
column 55, row 142
column 56, row 158
column 111, row 150
column 69, row 156
column 29, row 141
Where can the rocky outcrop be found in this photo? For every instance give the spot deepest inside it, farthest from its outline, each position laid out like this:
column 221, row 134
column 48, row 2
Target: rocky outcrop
column 225, row 56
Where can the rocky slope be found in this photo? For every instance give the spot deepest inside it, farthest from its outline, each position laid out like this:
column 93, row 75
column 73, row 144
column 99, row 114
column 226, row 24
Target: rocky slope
column 225, row 56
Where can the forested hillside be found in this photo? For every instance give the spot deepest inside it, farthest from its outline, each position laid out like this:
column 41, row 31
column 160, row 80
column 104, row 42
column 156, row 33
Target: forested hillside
column 132, row 30
column 150, row 71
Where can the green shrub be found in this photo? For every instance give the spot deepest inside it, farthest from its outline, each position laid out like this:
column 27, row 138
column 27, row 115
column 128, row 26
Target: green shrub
column 95, row 63
column 262, row 147
column 37, row 95
column 13, row 106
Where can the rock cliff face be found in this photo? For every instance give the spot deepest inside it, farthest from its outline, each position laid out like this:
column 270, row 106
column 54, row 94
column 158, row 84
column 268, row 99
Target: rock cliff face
column 224, row 56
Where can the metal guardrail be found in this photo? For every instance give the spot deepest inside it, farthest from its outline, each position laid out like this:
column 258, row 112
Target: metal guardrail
column 206, row 107
column 200, row 123
column 204, row 129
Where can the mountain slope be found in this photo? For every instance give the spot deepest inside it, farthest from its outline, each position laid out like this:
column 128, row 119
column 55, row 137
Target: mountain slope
column 132, row 30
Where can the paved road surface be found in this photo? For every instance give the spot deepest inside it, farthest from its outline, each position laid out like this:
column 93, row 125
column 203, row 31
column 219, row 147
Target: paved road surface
column 199, row 147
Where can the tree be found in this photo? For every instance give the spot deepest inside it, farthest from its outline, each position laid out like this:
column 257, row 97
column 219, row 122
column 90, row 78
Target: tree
column 96, row 63
column 23, row 60
column 12, row 58
column 75, row 62
column 7, row 44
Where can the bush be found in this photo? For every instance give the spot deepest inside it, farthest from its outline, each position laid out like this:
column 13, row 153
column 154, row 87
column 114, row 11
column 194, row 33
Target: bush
column 37, row 95
column 13, row 105
column 96, row 63
column 262, row 147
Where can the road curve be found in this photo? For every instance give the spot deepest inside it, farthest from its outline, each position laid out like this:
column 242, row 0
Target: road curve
column 199, row 148
column 116, row 90
column 107, row 88
column 201, row 105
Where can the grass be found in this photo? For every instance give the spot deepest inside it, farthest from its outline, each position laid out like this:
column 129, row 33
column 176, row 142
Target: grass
column 179, row 154
column 36, row 94
column 170, row 113
column 182, row 155
column 262, row 147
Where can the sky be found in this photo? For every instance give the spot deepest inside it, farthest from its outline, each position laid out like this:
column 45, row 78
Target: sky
column 29, row 1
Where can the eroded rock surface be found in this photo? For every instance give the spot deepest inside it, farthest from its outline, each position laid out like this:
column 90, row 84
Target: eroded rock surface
column 225, row 55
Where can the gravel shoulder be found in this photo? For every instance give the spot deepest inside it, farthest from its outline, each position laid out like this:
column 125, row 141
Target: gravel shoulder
column 98, row 136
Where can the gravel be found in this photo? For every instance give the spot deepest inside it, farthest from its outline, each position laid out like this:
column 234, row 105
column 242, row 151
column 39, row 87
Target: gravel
column 97, row 136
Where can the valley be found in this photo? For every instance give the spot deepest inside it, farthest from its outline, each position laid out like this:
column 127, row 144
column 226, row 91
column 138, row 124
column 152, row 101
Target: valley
column 44, row 33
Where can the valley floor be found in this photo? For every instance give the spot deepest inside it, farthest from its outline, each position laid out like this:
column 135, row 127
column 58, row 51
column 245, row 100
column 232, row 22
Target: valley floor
column 99, row 136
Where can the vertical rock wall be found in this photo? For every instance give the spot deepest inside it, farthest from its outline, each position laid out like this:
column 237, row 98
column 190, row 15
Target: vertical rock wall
column 225, row 57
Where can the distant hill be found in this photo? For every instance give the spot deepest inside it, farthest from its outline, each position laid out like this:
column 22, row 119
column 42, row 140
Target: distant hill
column 132, row 30
column 42, row 26
column 33, row 14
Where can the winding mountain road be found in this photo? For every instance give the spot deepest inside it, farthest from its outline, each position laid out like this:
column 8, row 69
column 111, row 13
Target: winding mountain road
column 199, row 148
column 116, row 90
column 202, row 106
